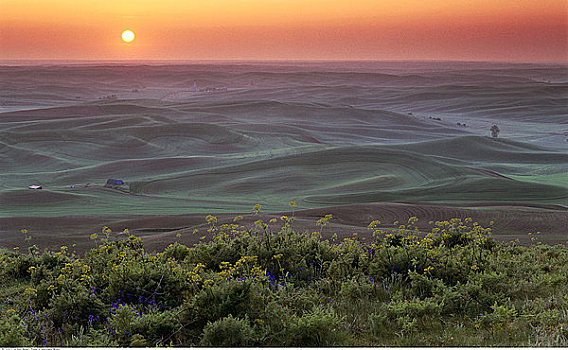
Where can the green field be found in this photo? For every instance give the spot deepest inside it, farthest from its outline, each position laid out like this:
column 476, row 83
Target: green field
column 321, row 136
column 172, row 165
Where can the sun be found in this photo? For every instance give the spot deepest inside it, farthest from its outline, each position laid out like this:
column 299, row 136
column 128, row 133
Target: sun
column 127, row 36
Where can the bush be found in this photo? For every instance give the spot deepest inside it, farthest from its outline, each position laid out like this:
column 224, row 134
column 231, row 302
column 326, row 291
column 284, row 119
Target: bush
column 453, row 286
column 12, row 332
column 317, row 328
column 226, row 298
column 228, row 332
column 275, row 324
column 91, row 338
column 76, row 307
column 129, row 325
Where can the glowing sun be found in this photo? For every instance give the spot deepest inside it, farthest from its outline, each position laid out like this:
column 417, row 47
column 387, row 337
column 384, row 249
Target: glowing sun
column 127, row 36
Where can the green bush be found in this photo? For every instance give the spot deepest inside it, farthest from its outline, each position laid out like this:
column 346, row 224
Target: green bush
column 452, row 286
column 228, row 332
column 157, row 329
column 275, row 324
column 225, row 298
column 316, row 328
column 12, row 331
column 91, row 338
column 76, row 306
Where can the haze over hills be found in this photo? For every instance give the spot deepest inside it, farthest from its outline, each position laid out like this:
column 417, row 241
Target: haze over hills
column 217, row 138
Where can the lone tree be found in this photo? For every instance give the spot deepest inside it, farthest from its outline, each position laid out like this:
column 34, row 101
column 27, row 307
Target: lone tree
column 495, row 131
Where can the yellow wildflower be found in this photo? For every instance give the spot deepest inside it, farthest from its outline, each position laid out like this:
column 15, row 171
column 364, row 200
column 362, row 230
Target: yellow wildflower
column 30, row 291
column 374, row 224
column 323, row 221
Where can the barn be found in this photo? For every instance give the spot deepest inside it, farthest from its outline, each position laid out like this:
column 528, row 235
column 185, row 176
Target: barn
column 114, row 182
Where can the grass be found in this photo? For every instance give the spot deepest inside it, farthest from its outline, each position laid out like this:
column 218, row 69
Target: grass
column 358, row 174
column 558, row 179
column 451, row 285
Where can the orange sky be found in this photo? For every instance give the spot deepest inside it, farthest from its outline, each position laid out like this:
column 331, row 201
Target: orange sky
column 504, row 30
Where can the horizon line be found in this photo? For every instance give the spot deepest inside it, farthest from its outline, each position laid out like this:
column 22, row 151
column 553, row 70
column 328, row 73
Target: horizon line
column 57, row 61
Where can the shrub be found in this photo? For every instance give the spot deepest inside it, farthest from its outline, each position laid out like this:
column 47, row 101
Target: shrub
column 228, row 332
column 76, row 306
column 91, row 338
column 12, row 331
column 157, row 329
column 380, row 324
column 316, row 328
column 128, row 325
column 255, row 287
column 227, row 297
column 177, row 251
column 275, row 324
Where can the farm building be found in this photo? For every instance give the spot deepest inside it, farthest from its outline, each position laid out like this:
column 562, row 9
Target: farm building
column 114, row 182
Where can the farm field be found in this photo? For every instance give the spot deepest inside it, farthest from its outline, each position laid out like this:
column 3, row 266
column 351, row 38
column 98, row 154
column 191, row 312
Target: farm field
column 364, row 140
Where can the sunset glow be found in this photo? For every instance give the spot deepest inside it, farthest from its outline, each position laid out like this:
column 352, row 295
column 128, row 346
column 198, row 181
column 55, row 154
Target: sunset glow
column 508, row 30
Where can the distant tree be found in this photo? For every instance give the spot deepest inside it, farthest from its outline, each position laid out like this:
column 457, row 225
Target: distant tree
column 495, row 131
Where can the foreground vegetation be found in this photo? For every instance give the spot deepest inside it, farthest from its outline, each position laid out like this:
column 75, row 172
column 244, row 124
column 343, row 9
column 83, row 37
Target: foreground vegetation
column 452, row 286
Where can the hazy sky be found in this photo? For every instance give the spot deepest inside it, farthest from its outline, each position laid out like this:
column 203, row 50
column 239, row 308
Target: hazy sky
column 490, row 30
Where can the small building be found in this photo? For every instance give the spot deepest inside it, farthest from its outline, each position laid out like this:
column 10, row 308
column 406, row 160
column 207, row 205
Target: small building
column 114, row 182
